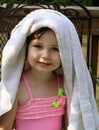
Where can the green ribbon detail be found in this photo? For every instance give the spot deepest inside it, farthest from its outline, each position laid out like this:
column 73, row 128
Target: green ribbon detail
column 60, row 92
column 55, row 103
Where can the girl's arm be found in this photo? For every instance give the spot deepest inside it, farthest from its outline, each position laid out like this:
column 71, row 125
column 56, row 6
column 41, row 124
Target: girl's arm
column 7, row 120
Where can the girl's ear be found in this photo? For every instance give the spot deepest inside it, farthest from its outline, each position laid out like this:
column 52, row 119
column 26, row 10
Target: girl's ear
column 26, row 65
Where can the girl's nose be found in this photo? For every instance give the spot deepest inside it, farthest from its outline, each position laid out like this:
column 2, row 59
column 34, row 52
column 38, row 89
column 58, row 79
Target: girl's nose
column 45, row 54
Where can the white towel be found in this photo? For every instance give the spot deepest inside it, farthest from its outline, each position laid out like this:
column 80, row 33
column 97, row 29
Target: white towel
column 82, row 110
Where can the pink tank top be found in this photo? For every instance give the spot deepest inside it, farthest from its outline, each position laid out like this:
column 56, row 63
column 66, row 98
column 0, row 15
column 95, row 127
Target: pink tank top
column 41, row 113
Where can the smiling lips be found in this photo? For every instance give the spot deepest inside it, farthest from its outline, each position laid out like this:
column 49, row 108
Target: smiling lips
column 45, row 64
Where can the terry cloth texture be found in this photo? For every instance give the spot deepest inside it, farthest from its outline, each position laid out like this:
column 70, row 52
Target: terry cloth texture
column 82, row 111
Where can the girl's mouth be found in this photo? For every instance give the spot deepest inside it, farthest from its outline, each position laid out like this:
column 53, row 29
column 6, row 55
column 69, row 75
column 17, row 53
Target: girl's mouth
column 44, row 64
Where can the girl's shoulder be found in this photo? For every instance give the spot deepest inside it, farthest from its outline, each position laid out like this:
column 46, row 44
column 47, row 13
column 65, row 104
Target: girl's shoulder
column 61, row 80
column 61, row 77
column 22, row 93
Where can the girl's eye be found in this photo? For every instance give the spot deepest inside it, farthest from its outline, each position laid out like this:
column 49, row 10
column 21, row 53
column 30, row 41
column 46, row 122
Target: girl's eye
column 55, row 49
column 38, row 46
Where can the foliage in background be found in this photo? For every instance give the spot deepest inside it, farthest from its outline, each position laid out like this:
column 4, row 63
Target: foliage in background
column 65, row 2
column 97, row 97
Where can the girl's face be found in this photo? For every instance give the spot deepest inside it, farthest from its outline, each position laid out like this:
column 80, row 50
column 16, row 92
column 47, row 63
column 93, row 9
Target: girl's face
column 43, row 53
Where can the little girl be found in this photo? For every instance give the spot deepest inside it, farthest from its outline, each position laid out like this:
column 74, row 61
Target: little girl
column 45, row 81
column 40, row 98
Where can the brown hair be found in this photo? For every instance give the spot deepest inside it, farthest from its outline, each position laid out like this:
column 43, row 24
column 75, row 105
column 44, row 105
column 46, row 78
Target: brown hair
column 36, row 34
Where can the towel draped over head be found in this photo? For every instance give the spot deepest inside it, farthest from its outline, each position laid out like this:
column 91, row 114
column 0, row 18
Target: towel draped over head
column 82, row 111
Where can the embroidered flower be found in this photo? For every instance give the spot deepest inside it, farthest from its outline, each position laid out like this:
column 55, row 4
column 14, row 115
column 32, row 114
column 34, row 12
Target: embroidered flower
column 61, row 99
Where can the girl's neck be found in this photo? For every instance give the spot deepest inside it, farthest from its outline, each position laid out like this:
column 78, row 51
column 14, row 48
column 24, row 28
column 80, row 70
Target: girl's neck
column 40, row 76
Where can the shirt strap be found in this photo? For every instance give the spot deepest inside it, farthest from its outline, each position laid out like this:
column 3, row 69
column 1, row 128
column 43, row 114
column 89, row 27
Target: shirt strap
column 27, row 85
